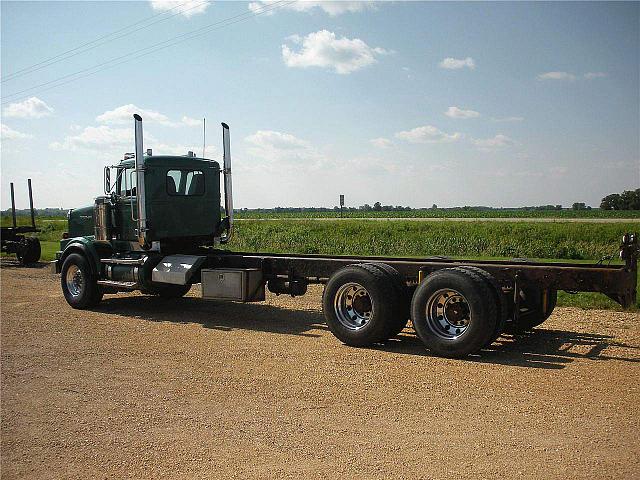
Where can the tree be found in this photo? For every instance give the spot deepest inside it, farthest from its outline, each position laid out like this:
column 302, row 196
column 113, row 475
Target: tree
column 611, row 202
column 579, row 206
column 434, row 207
column 630, row 199
column 377, row 206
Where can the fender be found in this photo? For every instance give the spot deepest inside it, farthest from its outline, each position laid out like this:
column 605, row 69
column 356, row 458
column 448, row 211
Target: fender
column 93, row 251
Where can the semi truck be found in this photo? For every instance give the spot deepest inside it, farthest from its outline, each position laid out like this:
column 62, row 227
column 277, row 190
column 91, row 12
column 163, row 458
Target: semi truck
column 160, row 228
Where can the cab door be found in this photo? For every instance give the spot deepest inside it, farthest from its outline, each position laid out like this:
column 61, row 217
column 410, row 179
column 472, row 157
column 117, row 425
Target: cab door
column 126, row 194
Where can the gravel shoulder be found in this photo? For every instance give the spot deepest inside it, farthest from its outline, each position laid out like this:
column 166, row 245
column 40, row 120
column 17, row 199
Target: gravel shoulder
column 145, row 388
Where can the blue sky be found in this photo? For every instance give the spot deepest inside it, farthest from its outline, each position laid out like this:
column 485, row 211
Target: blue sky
column 406, row 103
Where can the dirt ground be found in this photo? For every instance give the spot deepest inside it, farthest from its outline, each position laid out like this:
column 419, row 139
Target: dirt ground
column 145, row 388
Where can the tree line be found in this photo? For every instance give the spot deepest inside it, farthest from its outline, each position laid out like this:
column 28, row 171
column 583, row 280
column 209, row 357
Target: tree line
column 627, row 200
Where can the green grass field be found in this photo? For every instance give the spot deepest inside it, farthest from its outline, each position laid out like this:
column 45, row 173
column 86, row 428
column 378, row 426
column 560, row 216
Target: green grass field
column 449, row 213
column 552, row 241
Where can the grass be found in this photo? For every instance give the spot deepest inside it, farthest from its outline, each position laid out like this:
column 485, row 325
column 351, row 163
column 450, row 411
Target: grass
column 572, row 241
column 446, row 213
column 559, row 241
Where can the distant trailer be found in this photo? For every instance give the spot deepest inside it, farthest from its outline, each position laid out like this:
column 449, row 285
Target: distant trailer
column 14, row 240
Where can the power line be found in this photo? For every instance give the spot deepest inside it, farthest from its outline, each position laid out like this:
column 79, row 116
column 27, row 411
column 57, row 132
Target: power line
column 93, row 43
column 151, row 49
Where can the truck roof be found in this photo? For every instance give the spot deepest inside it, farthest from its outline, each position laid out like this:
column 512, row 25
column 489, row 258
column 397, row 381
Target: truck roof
column 173, row 161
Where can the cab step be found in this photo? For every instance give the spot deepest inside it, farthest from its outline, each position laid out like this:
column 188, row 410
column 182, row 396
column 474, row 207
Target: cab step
column 118, row 285
column 124, row 261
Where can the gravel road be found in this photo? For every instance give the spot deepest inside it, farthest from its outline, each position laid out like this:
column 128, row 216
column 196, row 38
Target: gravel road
column 145, row 388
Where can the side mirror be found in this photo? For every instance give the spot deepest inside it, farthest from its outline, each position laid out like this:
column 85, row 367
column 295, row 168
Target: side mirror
column 107, row 180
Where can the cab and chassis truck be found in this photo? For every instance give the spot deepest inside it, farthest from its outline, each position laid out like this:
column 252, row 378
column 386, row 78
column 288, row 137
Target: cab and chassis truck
column 160, row 228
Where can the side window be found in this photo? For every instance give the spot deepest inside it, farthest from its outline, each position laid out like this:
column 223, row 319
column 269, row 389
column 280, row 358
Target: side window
column 185, row 182
column 127, row 182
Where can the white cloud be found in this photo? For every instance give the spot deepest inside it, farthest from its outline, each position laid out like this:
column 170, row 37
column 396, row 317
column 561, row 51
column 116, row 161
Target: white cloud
column 278, row 147
column 380, row 142
column 124, row 115
column 558, row 171
column 175, row 149
column 494, row 143
column 450, row 63
column 428, row 134
column 269, row 139
column 591, row 75
column 508, row 119
column 97, row 138
column 332, row 8
column 7, row 133
column 323, row 49
column 191, row 122
column 455, row 112
column 31, row 108
column 557, row 76
column 187, row 8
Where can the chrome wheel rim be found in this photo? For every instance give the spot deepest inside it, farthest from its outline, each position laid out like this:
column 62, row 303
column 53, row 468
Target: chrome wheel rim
column 448, row 314
column 352, row 305
column 75, row 280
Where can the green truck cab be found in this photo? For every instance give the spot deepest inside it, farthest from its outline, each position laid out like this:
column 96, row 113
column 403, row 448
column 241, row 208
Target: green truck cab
column 155, row 206
column 183, row 194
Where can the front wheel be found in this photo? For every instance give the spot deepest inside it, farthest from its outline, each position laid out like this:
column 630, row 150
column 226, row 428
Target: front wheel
column 79, row 285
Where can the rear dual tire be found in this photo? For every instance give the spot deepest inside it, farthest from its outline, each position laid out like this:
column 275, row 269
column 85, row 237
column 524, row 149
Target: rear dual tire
column 455, row 312
column 360, row 303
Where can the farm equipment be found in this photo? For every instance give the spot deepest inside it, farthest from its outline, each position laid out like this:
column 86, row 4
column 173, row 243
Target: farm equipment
column 14, row 240
column 159, row 229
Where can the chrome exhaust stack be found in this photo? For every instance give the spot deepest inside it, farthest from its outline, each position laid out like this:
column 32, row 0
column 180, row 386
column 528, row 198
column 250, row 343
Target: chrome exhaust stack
column 228, row 189
column 140, row 190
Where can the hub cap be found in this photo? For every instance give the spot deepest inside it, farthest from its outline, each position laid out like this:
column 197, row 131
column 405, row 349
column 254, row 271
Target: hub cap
column 352, row 305
column 75, row 280
column 448, row 314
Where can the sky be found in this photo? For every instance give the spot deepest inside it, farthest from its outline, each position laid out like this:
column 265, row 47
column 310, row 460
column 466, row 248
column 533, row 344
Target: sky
column 405, row 103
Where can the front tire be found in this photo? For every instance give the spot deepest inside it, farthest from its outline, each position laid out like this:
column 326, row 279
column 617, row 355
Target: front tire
column 79, row 285
column 454, row 312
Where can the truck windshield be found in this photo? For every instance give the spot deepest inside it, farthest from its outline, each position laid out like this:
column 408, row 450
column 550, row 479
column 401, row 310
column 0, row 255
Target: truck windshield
column 185, row 182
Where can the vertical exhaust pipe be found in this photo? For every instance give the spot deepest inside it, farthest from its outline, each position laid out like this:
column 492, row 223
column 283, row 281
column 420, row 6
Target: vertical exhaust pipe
column 228, row 188
column 33, row 217
column 13, row 207
column 140, row 190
